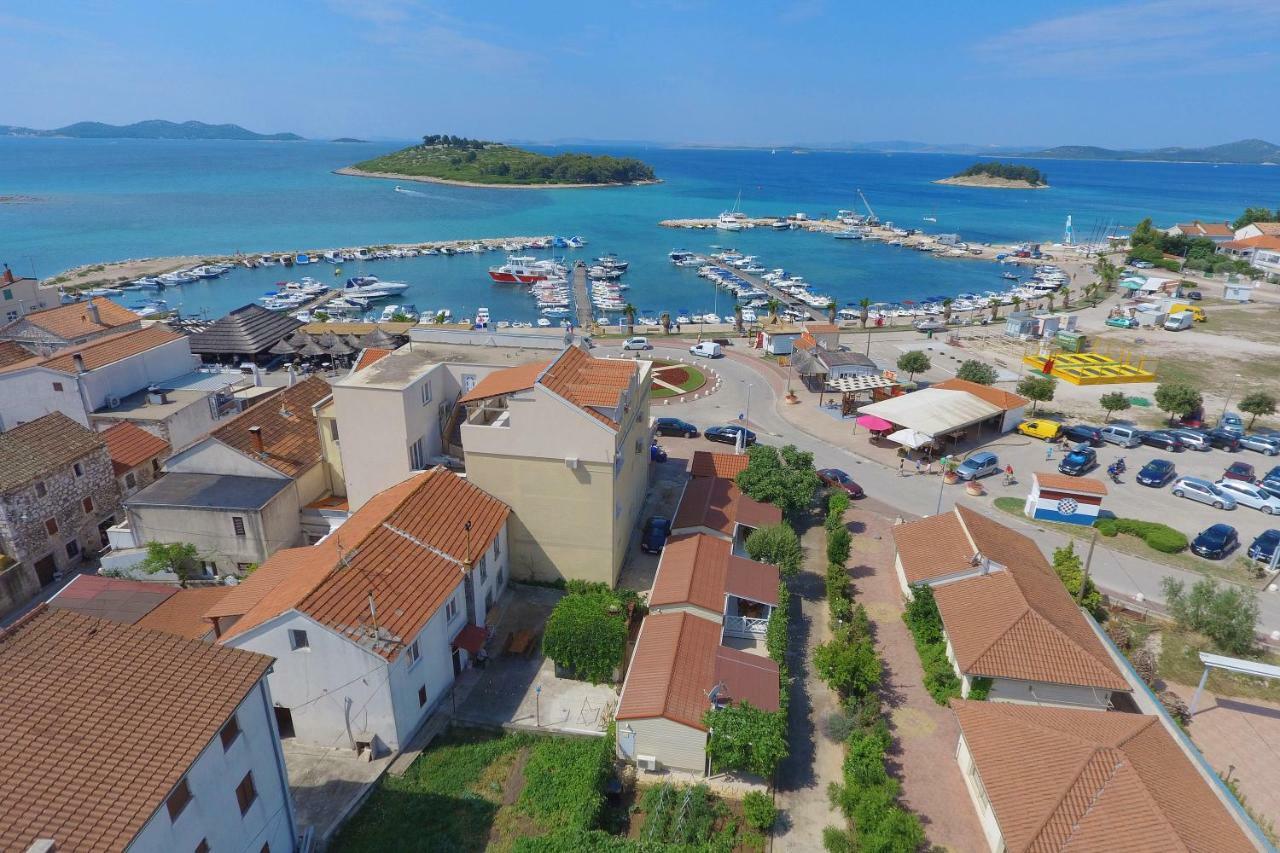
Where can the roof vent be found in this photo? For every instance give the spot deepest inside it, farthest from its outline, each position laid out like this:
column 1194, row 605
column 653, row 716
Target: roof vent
column 255, row 435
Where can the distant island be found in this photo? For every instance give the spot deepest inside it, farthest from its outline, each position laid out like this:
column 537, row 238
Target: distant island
column 1246, row 152
column 351, row 139
column 1006, row 176
column 474, row 162
column 154, row 129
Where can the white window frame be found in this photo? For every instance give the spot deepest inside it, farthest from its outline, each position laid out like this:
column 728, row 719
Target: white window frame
column 414, row 654
column 426, row 392
column 451, row 609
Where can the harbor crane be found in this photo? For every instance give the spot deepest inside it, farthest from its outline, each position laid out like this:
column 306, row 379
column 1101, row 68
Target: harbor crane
column 872, row 219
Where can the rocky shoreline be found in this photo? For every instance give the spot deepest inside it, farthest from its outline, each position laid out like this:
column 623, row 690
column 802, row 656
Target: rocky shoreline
column 988, row 182
column 425, row 179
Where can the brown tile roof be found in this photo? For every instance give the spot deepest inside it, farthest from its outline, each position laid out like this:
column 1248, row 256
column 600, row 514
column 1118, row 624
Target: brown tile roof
column 717, row 504
column 932, row 547
column 12, row 353
column 182, row 614
column 405, row 545
column 130, row 445
column 38, row 448
column 821, row 328
column 371, row 355
column 588, row 382
column 292, row 440
column 1264, row 241
column 1268, row 228
column 708, row 463
column 700, row 570
column 1196, row 228
column 1062, row 779
column 101, row 720
column 506, row 381
column 678, row 659
column 109, row 349
column 1088, row 485
column 1006, row 400
column 112, row 598
column 72, row 320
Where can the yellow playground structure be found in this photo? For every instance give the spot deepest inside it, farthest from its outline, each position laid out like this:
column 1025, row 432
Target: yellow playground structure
column 1090, row 368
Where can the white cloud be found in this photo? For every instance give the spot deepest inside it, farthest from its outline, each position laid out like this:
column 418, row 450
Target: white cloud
column 418, row 33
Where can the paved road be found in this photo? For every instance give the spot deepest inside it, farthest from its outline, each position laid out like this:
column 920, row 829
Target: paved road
column 752, row 387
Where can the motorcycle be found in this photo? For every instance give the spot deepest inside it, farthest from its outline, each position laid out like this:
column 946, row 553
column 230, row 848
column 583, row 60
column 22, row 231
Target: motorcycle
column 1115, row 469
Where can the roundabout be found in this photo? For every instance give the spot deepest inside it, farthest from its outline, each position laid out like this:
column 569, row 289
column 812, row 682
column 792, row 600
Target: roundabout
column 674, row 379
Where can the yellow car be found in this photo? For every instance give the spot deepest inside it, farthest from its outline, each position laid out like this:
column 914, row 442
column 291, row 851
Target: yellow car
column 1048, row 430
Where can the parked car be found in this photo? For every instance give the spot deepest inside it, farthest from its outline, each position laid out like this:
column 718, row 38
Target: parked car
column 1268, row 444
column 1048, row 430
column 1079, row 462
column 1223, row 440
column 1193, row 295
column 675, row 426
column 1122, row 322
column 1196, row 489
column 1215, row 542
column 1156, row 473
column 978, row 465
column 1142, row 265
column 637, row 343
column 1192, row 439
column 1272, row 485
column 1232, row 422
column 728, row 434
column 1083, row 434
column 655, row 533
column 657, row 453
column 837, row 479
column 707, row 349
column 1240, row 471
column 930, row 326
column 1122, row 434
column 1264, row 546
column 1251, row 495
column 1162, row 439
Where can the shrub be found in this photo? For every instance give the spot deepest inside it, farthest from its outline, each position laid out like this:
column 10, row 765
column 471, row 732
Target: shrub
column 837, row 840
column 925, row 622
column 1159, row 537
column 838, row 546
column 587, row 632
column 1227, row 615
column 777, row 544
column 744, row 737
column 977, row 371
column 979, row 688
column 839, row 726
column 837, row 505
column 759, row 810
column 848, row 664
column 784, row 477
column 775, row 632
column 1067, row 565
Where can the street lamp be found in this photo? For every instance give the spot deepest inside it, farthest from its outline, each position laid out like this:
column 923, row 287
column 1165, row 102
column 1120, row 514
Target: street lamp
column 746, row 412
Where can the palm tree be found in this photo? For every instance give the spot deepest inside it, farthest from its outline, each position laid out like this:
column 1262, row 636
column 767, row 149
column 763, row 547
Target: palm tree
column 629, row 311
column 773, row 305
column 1016, row 302
column 1066, row 297
column 946, row 309
column 737, row 317
column 994, row 305
column 1048, row 299
column 666, row 322
column 864, row 306
column 1108, row 273
column 831, row 312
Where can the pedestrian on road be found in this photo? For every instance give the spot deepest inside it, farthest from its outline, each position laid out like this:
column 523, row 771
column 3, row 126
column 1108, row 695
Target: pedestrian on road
column 1008, row 475
column 1048, row 451
column 902, row 466
column 919, row 466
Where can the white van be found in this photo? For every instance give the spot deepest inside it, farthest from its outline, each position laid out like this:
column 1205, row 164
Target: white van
column 707, row 349
column 1178, row 322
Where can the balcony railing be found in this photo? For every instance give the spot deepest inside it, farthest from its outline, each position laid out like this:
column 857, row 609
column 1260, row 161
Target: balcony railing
column 742, row 626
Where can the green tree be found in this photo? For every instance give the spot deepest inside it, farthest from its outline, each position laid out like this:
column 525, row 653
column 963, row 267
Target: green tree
column 946, row 309
column 1257, row 403
column 737, row 317
column 994, row 305
column 1228, row 615
column 1015, row 302
column 1070, row 570
column 831, row 312
column 1177, row 398
column 743, row 737
column 1037, row 389
column 587, row 632
column 772, row 304
column 1255, row 214
column 784, row 477
column 629, row 311
column 776, row 544
column 913, row 362
column 848, row 665
column 864, row 308
column 179, row 558
column 1114, row 401
column 973, row 370
column 759, row 810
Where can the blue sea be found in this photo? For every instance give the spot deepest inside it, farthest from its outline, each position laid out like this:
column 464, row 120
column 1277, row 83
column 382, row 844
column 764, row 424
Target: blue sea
column 103, row 200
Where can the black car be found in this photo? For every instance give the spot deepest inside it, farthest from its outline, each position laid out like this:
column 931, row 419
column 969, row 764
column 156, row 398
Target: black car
column 1083, row 434
column 1223, row 440
column 675, row 426
column 1079, row 462
column 1162, row 439
column 728, row 434
column 1264, row 547
column 656, row 531
column 1215, row 542
column 1156, row 473
column 1193, row 295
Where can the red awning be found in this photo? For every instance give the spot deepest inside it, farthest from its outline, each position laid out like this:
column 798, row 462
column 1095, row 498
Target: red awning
column 471, row 639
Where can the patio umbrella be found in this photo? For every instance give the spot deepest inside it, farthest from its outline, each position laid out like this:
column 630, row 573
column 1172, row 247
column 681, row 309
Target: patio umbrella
column 910, row 438
column 340, row 347
column 283, row 347
column 376, row 338
column 312, row 349
column 352, row 341
column 328, row 340
column 873, row 423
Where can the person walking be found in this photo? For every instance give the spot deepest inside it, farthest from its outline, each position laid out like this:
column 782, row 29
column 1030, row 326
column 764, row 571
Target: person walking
column 919, row 467
column 902, row 467
column 1048, row 451
column 1008, row 475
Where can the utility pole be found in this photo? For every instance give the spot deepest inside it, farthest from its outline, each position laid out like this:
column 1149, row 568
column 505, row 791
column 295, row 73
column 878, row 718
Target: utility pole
column 1088, row 561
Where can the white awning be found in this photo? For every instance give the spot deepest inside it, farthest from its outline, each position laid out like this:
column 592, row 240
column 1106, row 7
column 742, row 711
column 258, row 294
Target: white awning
column 859, row 383
column 933, row 411
column 910, row 438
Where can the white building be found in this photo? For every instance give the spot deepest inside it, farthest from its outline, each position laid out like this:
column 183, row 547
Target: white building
column 175, row 744
column 370, row 626
column 19, row 296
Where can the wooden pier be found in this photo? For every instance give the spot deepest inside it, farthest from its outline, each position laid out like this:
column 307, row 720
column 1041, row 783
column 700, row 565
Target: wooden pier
column 581, row 296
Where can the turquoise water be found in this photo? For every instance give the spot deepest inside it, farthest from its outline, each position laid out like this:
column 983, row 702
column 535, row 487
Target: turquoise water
column 100, row 200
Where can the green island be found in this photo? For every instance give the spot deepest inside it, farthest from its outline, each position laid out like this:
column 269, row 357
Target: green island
column 454, row 159
column 1002, row 175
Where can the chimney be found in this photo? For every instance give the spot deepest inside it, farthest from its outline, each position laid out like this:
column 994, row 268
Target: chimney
column 79, row 361
column 92, row 308
column 255, row 433
column 8, row 275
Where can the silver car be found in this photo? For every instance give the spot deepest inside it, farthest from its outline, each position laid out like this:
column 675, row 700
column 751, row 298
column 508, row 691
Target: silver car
column 1193, row 439
column 978, row 465
column 1203, row 491
column 1251, row 495
column 1268, row 444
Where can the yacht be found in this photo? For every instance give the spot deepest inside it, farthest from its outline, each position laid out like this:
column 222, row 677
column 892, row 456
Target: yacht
column 302, row 259
column 523, row 270
column 370, row 287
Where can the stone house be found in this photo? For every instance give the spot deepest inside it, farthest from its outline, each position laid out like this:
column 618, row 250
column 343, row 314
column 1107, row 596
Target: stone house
column 66, row 325
column 58, row 494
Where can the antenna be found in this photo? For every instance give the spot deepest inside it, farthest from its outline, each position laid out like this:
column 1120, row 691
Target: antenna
column 373, row 613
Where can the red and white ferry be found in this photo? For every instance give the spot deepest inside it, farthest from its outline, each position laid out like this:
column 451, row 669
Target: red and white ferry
column 524, row 270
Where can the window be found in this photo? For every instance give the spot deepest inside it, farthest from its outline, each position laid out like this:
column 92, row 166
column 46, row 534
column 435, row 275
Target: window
column 497, row 545
column 12, row 315
column 298, row 639
column 484, row 568
column 426, row 393
column 203, row 846
column 57, row 386
column 79, row 469
column 41, row 491
column 451, row 610
column 414, row 654
column 237, row 524
column 418, row 455
column 8, row 294
column 51, row 526
column 333, row 430
column 87, row 503
column 230, row 732
column 178, row 799
column 73, row 549
column 422, row 695
column 130, row 481
column 246, row 793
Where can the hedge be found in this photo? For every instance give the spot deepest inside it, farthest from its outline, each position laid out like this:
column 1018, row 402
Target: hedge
column 1159, row 536
column 925, row 623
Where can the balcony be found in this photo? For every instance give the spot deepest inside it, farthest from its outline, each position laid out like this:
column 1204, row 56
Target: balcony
column 745, row 627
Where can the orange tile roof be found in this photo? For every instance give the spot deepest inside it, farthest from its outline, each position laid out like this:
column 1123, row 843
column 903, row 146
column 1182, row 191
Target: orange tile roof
column 12, row 353
column 708, row 463
column 130, row 445
column 1087, row 485
column 506, row 381
column 72, row 320
column 701, row 570
column 182, row 614
column 821, row 328
column 678, row 659
column 1006, row 400
column 1268, row 228
column 588, row 382
column 1196, row 228
column 109, row 349
column 932, row 547
column 1062, row 779
column 717, row 504
column 371, row 355
column 101, row 720
column 806, row 342
column 1263, row 241
column 405, row 545
column 290, row 437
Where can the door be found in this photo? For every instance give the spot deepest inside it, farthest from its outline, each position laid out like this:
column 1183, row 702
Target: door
column 627, row 742
column 457, row 662
column 45, row 567
column 284, row 722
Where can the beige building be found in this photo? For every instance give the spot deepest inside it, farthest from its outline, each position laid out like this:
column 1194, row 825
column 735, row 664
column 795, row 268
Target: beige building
column 19, row 296
column 564, row 443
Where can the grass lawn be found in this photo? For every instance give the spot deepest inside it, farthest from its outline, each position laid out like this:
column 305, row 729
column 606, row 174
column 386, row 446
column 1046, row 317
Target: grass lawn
column 686, row 377
column 1236, row 571
column 1179, row 661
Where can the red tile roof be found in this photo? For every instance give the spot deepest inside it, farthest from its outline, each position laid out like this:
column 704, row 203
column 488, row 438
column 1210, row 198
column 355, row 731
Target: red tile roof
column 1006, row 400
column 112, row 598
column 821, row 328
column 72, row 320
column 708, row 463
column 717, row 504
column 506, row 381
column 130, row 445
column 1063, row 779
column 1197, row 228
column 700, row 570
column 1061, row 482
column 12, row 353
column 588, row 382
column 290, row 437
column 371, row 355
column 100, row 720
column 182, row 614
column 1263, row 241
column 109, row 349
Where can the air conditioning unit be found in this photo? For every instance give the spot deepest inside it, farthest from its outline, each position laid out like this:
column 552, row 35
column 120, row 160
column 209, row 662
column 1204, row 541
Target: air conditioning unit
column 571, row 462
column 647, row 762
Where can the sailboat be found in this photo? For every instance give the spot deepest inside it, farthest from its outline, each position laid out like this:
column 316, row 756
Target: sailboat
column 731, row 220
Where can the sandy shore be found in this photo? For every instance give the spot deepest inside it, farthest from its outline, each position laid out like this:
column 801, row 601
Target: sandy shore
column 423, row 179
column 990, row 182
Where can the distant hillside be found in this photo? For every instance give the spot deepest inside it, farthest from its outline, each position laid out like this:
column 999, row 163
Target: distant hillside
column 154, row 129
column 351, row 139
column 1246, row 151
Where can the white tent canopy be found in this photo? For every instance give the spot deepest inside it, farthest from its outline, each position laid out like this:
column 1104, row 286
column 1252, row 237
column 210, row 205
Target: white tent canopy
column 933, row 411
column 910, row 438
column 859, row 383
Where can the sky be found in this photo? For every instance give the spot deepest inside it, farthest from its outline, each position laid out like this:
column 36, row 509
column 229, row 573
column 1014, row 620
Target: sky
column 1025, row 73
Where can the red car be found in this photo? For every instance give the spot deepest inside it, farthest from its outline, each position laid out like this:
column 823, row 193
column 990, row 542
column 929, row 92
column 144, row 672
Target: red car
column 1240, row 471
column 837, row 479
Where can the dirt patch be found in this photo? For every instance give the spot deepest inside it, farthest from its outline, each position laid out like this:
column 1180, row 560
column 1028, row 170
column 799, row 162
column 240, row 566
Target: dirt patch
column 515, row 779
